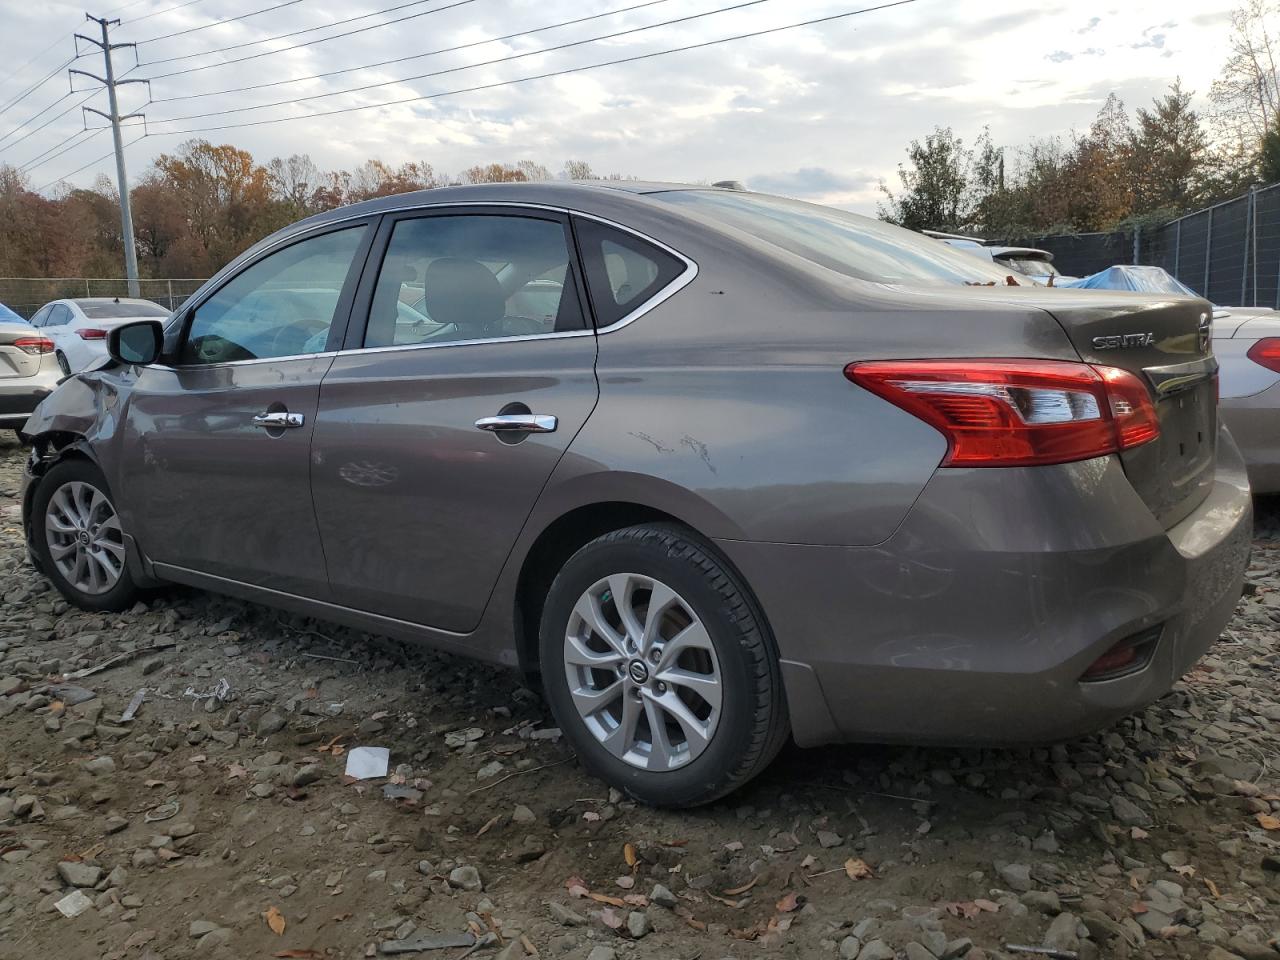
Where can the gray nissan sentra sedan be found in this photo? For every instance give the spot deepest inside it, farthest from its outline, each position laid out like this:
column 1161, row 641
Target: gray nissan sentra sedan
column 718, row 467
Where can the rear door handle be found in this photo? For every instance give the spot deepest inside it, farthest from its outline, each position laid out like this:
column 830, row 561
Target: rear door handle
column 278, row 420
column 518, row 423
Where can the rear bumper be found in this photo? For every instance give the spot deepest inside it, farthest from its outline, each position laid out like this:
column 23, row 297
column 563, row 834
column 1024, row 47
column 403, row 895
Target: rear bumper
column 974, row 621
column 19, row 396
column 1254, row 422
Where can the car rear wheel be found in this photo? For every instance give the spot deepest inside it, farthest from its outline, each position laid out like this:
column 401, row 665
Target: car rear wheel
column 660, row 669
column 77, row 535
column 62, row 364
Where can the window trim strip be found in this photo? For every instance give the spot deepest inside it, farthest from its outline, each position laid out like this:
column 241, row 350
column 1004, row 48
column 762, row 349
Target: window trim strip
column 685, row 278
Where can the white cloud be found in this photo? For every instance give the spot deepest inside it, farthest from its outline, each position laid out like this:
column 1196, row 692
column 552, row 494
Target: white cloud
column 823, row 112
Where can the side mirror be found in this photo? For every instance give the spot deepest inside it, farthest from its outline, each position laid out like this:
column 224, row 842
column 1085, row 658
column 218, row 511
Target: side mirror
column 140, row 342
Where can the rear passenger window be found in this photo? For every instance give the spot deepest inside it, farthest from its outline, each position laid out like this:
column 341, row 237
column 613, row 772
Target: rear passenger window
column 623, row 271
column 469, row 277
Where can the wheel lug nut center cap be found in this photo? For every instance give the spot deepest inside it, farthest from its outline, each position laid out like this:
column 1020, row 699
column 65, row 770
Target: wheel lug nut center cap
column 638, row 672
column 83, row 537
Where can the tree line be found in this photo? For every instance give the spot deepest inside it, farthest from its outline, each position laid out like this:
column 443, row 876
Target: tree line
column 198, row 207
column 1141, row 169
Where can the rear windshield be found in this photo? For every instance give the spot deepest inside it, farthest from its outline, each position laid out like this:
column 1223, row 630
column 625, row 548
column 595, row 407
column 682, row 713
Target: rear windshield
column 847, row 243
column 115, row 311
column 1031, row 266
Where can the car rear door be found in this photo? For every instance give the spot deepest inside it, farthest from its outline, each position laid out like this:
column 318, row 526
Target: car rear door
column 217, row 443
column 439, row 426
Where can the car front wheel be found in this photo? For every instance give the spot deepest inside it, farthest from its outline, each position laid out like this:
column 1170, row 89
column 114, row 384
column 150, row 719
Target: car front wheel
column 77, row 536
column 660, row 669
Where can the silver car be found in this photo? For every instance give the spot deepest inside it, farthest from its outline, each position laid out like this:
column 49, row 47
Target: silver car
column 718, row 468
column 28, row 372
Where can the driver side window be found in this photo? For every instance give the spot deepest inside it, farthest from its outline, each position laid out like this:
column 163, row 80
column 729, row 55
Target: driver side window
column 281, row 306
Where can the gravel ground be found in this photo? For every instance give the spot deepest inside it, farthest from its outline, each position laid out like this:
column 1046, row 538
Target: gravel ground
column 223, row 825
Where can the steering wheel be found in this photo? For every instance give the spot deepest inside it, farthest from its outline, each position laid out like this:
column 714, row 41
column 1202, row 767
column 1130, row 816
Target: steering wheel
column 301, row 330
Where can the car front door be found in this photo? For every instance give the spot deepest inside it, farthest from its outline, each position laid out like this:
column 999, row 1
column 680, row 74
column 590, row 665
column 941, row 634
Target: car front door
column 218, row 436
column 440, row 425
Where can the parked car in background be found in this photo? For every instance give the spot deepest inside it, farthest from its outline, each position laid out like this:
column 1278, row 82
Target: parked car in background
column 1246, row 341
column 28, row 371
column 1028, row 261
column 79, row 327
column 8, row 316
column 762, row 467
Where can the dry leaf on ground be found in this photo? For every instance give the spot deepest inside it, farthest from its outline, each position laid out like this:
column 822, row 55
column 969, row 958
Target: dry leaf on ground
column 790, row 902
column 275, row 920
column 857, row 869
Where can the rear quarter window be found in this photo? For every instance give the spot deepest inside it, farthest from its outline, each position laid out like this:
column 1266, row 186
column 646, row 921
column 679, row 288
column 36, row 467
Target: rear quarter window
column 623, row 271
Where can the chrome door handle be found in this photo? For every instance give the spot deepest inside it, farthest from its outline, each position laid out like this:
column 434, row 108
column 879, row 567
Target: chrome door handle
column 278, row 420
column 518, row 423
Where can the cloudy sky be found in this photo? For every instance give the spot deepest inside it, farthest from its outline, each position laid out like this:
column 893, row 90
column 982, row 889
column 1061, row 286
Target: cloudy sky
column 822, row 112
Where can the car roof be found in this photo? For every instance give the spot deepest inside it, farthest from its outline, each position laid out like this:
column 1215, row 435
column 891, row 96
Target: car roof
column 567, row 193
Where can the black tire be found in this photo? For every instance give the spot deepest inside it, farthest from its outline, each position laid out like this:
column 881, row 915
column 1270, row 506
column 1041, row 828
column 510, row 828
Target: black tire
column 123, row 594
column 753, row 723
column 62, row 364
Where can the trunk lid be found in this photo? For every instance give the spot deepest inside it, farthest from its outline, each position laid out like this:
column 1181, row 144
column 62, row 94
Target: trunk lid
column 15, row 362
column 1167, row 342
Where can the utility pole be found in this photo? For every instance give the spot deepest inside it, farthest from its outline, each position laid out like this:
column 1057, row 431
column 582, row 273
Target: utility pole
column 122, row 179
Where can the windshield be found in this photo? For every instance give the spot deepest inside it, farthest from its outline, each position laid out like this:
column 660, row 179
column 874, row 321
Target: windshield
column 118, row 311
column 845, row 242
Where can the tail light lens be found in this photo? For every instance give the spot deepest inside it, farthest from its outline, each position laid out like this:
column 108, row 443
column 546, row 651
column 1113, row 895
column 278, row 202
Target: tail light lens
column 1267, row 353
column 91, row 333
column 1001, row 413
column 34, row 345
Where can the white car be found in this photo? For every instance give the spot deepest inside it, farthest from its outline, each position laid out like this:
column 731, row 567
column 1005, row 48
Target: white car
column 1029, row 261
column 78, row 328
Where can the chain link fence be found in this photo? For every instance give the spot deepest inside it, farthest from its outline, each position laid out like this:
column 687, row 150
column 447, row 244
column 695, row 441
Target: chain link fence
column 1228, row 253
column 25, row 295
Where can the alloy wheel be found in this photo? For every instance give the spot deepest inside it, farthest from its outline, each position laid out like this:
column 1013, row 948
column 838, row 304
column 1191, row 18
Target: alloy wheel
column 84, row 537
column 643, row 672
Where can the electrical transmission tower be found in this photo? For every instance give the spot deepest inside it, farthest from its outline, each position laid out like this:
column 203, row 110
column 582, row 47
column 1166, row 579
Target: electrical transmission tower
column 110, row 82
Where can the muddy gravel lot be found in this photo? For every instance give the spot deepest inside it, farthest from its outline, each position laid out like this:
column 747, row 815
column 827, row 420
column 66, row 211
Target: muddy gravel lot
column 218, row 820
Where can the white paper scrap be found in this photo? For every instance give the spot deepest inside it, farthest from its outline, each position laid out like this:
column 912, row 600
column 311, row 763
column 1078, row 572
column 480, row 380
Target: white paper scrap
column 73, row 904
column 368, row 763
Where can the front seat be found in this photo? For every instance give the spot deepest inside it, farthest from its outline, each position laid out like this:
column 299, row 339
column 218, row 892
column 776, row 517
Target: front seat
column 466, row 294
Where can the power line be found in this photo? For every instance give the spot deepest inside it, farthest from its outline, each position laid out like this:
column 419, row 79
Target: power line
column 40, row 159
column 415, row 56
column 159, row 13
column 543, row 76
column 468, row 66
column 217, row 23
column 36, row 116
column 50, row 121
column 19, row 70
column 294, row 33
column 105, row 156
column 38, row 84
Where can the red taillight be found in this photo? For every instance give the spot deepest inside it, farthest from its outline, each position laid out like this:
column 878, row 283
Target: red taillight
column 1267, row 353
column 92, row 333
column 34, row 345
column 1001, row 413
